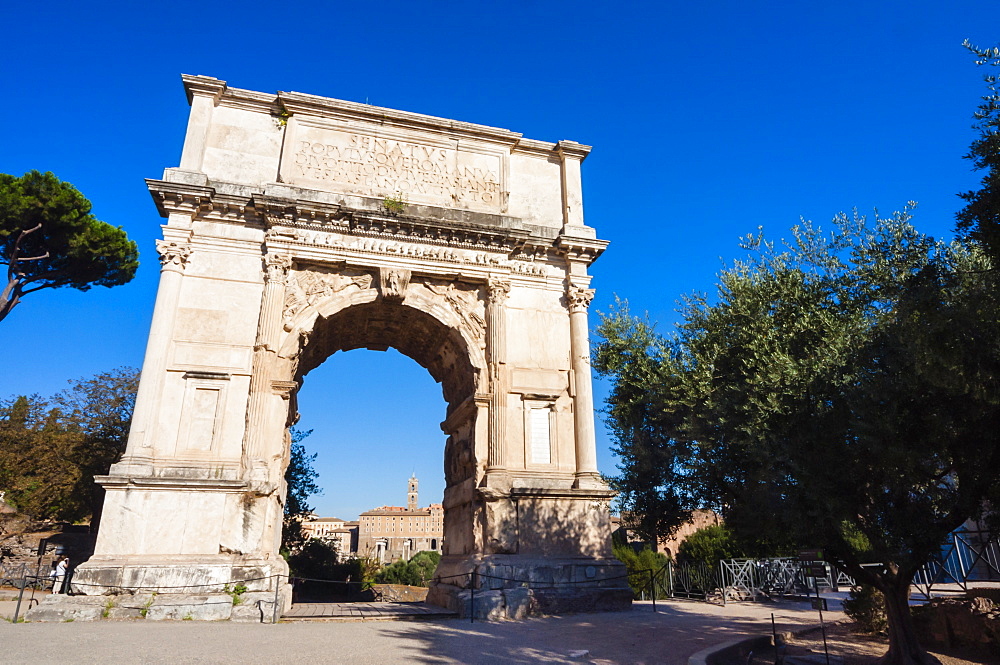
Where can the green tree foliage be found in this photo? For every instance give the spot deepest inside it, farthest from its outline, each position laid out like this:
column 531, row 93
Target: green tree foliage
column 300, row 481
column 51, row 449
column 50, row 239
column 318, row 560
column 638, row 564
column 418, row 571
column 980, row 218
column 841, row 393
column 710, row 545
column 865, row 606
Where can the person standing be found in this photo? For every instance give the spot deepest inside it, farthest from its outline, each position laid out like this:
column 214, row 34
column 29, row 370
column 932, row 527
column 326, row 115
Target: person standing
column 59, row 574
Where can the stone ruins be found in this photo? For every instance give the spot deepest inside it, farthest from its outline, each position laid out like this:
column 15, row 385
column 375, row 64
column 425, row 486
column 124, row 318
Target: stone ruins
column 298, row 226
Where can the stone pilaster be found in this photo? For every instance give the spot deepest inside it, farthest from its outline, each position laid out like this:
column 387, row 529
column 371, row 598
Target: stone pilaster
column 174, row 257
column 265, row 350
column 496, row 356
column 583, row 407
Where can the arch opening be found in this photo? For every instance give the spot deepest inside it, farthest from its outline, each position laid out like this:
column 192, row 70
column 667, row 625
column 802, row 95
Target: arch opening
column 423, row 333
column 374, row 421
column 377, row 326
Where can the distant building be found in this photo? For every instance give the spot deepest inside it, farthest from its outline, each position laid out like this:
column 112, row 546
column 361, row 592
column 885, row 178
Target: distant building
column 342, row 535
column 391, row 533
column 669, row 546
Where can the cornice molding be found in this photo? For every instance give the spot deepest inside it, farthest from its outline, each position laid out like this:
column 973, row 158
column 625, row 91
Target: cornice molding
column 167, row 483
column 576, row 248
column 203, row 86
column 326, row 107
column 180, row 197
column 572, row 149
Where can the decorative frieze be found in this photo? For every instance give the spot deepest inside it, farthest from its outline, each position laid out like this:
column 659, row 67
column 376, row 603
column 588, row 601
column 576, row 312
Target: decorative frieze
column 464, row 302
column 309, row 286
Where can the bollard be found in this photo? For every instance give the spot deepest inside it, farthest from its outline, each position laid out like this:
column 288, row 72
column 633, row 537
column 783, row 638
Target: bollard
column 472, row 597
column 20, row 595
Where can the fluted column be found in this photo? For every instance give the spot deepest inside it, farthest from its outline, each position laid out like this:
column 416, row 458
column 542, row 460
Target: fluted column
column 265, row 350
column 173, row 259
column 496, row 354
column 583, row 406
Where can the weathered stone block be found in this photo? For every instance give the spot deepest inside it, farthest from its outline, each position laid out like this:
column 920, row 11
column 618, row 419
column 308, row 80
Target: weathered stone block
column 122, row 613
column 518, row 602
column 488, row 605
column 257, row 607
column 180, row 607
column 67, row 608
column 254, row 613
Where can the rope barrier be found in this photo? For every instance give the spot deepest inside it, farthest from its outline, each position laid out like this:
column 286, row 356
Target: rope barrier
column 221, row 585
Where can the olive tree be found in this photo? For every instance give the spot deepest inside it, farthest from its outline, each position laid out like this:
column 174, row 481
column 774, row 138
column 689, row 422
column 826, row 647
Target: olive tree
column 839, row 392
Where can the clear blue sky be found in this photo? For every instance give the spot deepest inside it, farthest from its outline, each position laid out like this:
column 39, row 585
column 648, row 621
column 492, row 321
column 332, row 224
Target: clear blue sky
column 707, row 120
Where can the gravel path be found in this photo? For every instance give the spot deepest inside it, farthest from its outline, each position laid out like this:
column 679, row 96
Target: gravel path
column 675, row 631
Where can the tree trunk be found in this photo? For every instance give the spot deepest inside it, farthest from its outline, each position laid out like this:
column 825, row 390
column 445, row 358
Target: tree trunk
column 9, row 297
column 904, row 649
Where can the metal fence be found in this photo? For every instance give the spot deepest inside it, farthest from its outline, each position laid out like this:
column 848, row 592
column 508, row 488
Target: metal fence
column 967, row 556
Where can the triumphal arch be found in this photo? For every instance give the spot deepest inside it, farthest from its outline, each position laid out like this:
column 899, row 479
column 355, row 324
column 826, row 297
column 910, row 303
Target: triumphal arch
column 298, row 226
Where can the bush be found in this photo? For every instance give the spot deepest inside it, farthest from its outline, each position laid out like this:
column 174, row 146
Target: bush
column 709, row 545
column 637, row 563
column 865, row 606
column 418, row 571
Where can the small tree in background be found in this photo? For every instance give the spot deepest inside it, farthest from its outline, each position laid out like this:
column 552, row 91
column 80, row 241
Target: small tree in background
column 51, row 449
column 418, row 571
column 50, row 239
column 638, row 564
column 300, row 480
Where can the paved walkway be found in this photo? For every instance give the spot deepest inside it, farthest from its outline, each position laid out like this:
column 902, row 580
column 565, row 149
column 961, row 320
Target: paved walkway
column 641, row 636
column 366, row 612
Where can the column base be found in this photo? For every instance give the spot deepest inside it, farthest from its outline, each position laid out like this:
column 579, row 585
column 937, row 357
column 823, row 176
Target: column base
column 589, row 480
column 502, row 586
column 103, row 575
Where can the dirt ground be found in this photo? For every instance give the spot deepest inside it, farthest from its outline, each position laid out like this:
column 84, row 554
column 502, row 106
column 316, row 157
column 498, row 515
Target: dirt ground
column 860, row 649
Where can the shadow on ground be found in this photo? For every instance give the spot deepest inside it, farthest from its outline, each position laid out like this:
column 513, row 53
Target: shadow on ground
column 672, row 633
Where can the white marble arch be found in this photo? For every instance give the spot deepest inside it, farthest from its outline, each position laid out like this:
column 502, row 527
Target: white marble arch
column 298, row 226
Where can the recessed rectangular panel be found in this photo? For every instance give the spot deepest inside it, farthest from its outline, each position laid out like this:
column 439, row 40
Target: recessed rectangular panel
column 384, row 164
column 541, row 450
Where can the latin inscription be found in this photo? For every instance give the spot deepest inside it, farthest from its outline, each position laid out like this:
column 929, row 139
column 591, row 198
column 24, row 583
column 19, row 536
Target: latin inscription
column 374, row 166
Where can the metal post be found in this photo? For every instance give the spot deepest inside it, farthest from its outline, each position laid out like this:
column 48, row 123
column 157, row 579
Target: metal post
column 652, row 589
column 722, row 582
column 819, row 606
column 24, row 581
column 472, row 597
column 774, row 639
column 670, row 578
column 277, row 585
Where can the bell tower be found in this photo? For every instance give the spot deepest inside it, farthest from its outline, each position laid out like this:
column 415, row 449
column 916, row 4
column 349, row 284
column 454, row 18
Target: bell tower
column 411, row 494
